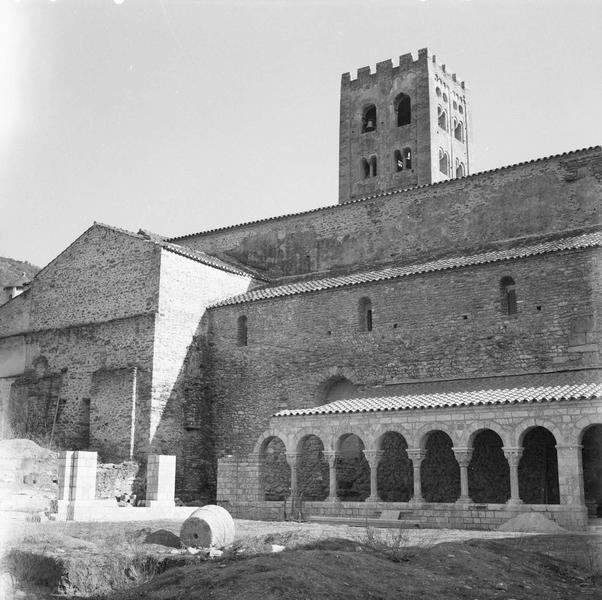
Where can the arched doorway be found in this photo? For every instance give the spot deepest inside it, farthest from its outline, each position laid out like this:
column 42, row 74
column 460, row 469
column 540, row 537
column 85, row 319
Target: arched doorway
column 352, row 469
column 275, row 474
column 395, row 478
column 440, row 472
column 592, row 469
column 312, row 469
column 488, row 471
column 538, row 468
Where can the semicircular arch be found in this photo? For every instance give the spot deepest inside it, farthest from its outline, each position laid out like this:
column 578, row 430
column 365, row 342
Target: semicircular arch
column 468, row 438
column 380, row 432
column 420, row 436
column 584, row 423
column 523, row 427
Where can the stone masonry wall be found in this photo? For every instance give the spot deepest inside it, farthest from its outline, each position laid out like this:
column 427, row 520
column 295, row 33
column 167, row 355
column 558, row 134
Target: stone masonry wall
column 549, row 195
column 104, row 275
column 77, row 354
column 14, row 316
column 441, row 325
column 92, row 310
column 180, row 419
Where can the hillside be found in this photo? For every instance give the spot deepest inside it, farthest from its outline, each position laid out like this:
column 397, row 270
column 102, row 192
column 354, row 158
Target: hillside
column 12, row 270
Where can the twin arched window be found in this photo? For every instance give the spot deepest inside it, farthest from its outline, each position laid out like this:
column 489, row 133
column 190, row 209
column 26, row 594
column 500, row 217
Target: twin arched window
column 369, row 167
column 508, row 295
column 459, row 130
column 403, row 160
column 403, row 109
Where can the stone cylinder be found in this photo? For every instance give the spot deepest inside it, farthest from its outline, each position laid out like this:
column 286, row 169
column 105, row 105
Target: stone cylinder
column 208, row 526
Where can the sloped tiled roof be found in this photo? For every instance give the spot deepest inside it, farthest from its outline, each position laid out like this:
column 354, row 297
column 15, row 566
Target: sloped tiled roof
column 446, row 182
column 584, row 240
column 195, row 255
column 582, row 391
column 212, row 261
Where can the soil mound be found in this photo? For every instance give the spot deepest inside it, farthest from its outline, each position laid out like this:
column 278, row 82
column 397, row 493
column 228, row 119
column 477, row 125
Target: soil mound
column 531, row 522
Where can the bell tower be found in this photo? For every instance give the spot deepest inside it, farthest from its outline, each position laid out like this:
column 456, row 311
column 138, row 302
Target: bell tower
column 402, row 126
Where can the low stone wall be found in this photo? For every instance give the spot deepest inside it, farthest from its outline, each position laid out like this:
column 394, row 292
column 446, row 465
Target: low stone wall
column 429, row 515
column 114, row 480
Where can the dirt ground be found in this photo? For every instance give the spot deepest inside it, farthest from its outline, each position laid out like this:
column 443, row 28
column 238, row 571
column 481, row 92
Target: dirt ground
column 112, row 560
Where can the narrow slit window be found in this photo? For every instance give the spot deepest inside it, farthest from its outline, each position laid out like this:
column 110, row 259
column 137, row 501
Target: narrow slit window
column 460, row 169
column 365, row 314
column 459, row 130
column 404, row 110
column 443, row 162
column 508, row 296
column 242, row 331
column 407, row 158
column 398, row 161
column 442, row 118
column 369, row 119
column 365, row 169
column 373, row 167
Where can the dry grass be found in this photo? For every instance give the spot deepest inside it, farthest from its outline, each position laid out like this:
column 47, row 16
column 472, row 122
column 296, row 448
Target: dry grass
column 98, row 558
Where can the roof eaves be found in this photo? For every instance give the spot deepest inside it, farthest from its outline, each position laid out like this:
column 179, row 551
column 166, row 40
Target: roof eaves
column 209, row 260
column 390, row 273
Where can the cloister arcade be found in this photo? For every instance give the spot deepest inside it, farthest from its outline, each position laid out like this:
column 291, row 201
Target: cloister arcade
column 527, row 461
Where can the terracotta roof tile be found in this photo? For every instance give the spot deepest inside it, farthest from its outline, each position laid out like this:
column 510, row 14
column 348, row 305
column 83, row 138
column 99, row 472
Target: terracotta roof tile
column 453, row 399
column 584, row 240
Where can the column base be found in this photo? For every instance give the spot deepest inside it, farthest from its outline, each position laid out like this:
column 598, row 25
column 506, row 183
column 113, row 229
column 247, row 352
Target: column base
column 464, row 500
column 417, row 501
column 372, row 499
column 333, row 499
column 514, row 502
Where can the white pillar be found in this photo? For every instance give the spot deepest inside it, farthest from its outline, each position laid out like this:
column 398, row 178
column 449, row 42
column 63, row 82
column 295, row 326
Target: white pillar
column 77, row 485
column 160, row 480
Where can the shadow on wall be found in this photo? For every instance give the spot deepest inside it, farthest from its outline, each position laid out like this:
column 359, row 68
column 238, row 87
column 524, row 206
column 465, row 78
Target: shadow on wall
column 186, row 425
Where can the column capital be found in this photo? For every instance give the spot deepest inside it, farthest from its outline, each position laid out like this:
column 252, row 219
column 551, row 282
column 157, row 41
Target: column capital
column 463, row 455
column 292, row 458
column 513, row 454
column 416, row 455
column 373, row 457
column 330, row 456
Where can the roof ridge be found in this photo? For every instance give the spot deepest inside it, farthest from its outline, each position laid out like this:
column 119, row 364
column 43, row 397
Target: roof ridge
column 582, row 240
column 388, row 193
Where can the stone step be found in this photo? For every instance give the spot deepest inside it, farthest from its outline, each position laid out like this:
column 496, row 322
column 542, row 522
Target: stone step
column 364, row 522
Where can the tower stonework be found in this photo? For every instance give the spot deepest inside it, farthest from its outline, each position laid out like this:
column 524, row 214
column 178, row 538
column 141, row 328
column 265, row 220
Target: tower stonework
column 402, row 126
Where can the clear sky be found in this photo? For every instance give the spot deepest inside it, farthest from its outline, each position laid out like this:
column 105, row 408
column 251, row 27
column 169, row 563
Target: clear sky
column 185, row 115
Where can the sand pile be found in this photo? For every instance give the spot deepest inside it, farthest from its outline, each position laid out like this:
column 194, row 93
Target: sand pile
column 531, row 522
